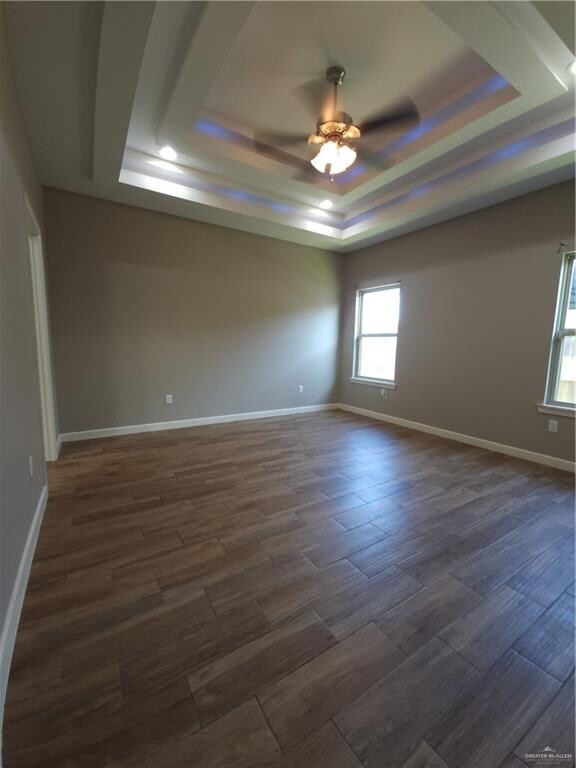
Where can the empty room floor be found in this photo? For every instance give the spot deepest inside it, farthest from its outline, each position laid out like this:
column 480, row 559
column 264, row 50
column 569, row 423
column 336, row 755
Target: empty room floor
column 319, row 590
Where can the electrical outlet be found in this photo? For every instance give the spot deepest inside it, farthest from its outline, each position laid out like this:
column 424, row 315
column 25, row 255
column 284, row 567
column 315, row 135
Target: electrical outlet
column 552, row 425
column 300, row 388
column 169, row 399
column 31, row 466
column 384, row 393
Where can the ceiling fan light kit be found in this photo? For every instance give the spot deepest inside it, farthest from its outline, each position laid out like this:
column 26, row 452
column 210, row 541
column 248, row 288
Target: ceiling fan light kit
column 333, row 158
column 336, row 131
column 335, row 155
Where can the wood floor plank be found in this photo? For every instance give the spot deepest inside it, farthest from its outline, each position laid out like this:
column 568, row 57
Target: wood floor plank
column 47, row 572
column 241, row 739
column 544, row 578
column 178, row 656
column 63, row 632
column 467, row 515
column 124, row 737
column 386, row 724
column 484, row 728
column 63, row 707
column 169, row 562
column 228, row 681
column 145, row 628
column 487, row 530
column 258, row 580
column 513, row 762
column 204, row 572
column 554, row 728
column 304, row 592
column 305, row 536
column 388, row 551
column 415, row 621
column 308, row 698
column 201, row 527
column 26, row 689
column 261, row 531
column 116, row 554
column 367, row 602
column 489, row 629
column 323, row 749
column 549, row 643
column 69, row 602
column 385, row 513
column 402, row 491
column 424, row 757
column 328, row 507
column 501, row 560
column 376, row 510
column 433, row 560
column 306, row 562
column 343, row 544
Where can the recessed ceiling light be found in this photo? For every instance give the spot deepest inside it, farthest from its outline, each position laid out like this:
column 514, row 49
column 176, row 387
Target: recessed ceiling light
column 572, row 68
column 326, row 204
column 167, row 153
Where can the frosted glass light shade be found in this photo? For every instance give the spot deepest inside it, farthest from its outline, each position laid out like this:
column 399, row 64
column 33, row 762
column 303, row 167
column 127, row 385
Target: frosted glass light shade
column 333, row 158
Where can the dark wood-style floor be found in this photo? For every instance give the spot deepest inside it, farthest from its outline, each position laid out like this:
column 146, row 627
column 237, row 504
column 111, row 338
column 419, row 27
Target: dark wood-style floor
column 305, row 592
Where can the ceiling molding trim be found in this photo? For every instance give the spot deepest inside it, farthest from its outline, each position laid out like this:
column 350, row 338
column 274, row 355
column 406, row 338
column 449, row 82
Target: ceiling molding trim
column 118, row 68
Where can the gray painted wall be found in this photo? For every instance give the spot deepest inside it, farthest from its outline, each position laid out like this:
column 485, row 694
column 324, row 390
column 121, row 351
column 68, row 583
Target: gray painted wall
column 478, row 298
column 20, row 417
column 145, row 304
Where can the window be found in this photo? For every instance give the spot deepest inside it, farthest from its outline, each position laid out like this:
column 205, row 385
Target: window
column 561, row 386
column 377, row 315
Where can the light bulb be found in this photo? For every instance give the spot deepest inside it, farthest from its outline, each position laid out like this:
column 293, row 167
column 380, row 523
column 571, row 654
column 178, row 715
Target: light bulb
column 326, row 205
column 167, row 153
column 333, row 158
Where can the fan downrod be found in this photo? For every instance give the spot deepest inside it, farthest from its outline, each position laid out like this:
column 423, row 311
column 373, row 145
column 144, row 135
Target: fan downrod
column 335, row 75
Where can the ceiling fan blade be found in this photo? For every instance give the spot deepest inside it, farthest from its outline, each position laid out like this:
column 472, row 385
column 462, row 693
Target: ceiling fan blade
column 309, row 174
column 373, row 159
column 275, row 153
column 315, row 96
column 403, row 113
column 280, row 138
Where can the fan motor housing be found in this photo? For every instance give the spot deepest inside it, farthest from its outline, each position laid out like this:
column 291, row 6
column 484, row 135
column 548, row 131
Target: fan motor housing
column 340, row 128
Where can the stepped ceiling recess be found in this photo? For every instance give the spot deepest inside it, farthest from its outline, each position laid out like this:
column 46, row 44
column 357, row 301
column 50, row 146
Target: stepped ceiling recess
column 105, row 86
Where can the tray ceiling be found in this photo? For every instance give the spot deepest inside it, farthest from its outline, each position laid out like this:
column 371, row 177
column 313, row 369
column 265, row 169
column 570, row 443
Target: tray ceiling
column 105, row 85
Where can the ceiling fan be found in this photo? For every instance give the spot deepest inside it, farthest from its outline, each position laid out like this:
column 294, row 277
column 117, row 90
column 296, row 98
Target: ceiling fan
column 336, row 133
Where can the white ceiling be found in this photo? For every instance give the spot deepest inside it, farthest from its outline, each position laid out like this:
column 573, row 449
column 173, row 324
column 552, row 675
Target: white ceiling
column 104, row 85
column 291, row 44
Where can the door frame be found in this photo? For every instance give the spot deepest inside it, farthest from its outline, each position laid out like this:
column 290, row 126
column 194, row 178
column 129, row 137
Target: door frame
column 42, row 326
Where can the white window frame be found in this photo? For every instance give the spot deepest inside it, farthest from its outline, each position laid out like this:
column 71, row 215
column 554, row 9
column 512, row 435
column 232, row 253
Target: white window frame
column 358, row 335
column 551, row 404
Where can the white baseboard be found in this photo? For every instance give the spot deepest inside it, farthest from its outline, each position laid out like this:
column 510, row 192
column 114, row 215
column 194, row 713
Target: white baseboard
column 58, row 447
column 489, row 445
column 133, row 429
column 10, row 628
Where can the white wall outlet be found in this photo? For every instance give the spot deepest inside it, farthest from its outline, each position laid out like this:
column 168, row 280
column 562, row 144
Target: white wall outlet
column 300, row 388
column 552, row 425
column 384, row 393
column 169, row 399
column 31, row 466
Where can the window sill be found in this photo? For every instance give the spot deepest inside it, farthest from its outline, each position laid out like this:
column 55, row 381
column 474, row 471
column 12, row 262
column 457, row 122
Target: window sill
column 556, row 410
column 373, row 383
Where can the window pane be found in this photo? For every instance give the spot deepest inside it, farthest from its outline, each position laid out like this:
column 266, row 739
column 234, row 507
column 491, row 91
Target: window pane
column 566, row 392
column 571, row 310
column 377, row 358
column 380, row 311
